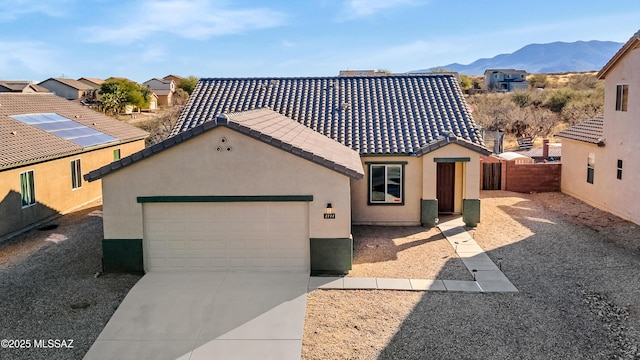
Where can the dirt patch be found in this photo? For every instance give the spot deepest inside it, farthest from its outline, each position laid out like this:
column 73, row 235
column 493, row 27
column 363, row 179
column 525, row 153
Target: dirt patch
column 562, row 311
column 407, row 252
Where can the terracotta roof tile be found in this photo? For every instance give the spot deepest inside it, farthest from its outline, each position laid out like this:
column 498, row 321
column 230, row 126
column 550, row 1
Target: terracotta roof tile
column 300, row 141
column 22, row 144
column 591, row 131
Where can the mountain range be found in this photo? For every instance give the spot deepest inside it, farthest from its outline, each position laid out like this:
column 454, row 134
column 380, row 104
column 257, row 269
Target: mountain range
column 553, row 57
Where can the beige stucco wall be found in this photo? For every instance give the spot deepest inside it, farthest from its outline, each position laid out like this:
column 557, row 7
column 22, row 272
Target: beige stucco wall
column 407, row 214
column 621, row 128
column 53, row 191
column 466, row 172
column 420, row 183
column 252, row 167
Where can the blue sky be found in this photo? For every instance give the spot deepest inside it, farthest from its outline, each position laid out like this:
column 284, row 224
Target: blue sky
column 142, row 39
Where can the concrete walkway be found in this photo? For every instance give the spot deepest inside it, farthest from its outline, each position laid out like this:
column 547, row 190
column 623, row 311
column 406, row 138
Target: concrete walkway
column 488, row 277
column 198, row 316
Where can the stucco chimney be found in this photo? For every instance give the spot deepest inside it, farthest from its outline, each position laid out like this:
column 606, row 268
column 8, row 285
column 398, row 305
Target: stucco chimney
column 545, row 149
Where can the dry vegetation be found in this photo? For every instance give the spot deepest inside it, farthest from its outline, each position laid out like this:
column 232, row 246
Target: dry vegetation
column 554, row 102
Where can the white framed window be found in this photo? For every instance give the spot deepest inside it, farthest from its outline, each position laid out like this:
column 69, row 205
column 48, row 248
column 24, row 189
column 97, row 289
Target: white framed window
column 76, row 174
column 27, row 188
column 386, row 183
column 622, row 97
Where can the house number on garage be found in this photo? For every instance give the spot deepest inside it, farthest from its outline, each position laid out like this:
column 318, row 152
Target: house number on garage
column 329, row 216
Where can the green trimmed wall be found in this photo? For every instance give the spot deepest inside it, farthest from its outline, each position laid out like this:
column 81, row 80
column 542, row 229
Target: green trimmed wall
column 471, row 212
column 428, row 212
column 331, row 255
column 122, row 255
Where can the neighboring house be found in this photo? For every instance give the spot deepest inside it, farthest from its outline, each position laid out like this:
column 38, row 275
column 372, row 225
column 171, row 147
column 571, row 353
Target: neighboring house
column 290, row 171
column 93, row 82
column 505, row 80
column 362, row 73
column 46, row 144
column 69, row 89
column 164, row 89
column 601, row 156
column 26, row 87
column 176, row 79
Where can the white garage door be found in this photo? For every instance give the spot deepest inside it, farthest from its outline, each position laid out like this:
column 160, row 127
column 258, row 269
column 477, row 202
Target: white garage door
column 237, row 236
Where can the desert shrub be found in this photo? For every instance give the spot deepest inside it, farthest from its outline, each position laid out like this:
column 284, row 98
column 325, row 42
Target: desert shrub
column 558, row 98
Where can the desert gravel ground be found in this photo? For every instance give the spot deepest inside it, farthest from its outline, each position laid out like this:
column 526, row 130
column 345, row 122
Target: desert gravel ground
column 399, row 252
column 49, row 288
column 577, row 269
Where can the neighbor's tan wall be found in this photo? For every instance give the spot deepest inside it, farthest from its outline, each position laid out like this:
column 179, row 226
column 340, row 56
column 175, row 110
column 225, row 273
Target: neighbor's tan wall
column 621, row 130
column 407, row 214
column 53, row 187
column 468, row 172
column 195, row 167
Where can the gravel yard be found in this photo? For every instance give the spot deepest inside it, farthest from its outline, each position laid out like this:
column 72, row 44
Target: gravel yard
column 577, row 270
column 49, row 288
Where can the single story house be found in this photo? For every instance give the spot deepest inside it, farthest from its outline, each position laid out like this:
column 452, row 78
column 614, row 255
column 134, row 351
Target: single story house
column 303, row 156
column 20, row 86
column 601, row 156
column 46, row 144
column 69, row 89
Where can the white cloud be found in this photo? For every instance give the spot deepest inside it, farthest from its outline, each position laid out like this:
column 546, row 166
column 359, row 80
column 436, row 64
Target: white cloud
column 26, row 57
column 362, row 8
column 200, row 19
column 12, row 9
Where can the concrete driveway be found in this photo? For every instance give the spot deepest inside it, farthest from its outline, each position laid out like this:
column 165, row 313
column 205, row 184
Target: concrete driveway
column 208, row 315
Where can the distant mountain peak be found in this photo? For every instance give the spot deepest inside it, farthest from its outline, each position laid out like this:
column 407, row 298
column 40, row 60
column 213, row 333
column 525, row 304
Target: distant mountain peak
column 544, row 58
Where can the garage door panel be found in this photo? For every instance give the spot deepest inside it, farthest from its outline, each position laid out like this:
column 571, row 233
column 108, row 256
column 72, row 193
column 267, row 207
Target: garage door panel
column 226, row 236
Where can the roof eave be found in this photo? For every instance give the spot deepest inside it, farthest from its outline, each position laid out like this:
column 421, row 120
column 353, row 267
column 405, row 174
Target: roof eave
column 632, row 43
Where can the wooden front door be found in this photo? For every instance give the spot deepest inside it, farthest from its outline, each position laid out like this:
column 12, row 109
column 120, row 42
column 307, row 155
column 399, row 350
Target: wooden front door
column 445, row 185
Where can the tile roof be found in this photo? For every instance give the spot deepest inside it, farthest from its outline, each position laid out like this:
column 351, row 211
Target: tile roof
column 264, row 125
column 71, row 83
column 22, row 144
column 97, row 82
column 632, row 43
column 395, row 114
column 591, row 131
column 20, row 86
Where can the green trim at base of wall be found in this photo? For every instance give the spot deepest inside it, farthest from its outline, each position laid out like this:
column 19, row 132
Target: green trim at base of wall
column 428, row 212
column 267, row 198
column 122, row 255
column 331, row 255
column 471, row 212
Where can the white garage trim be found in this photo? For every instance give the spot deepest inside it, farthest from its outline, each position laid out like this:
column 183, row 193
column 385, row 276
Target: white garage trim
column 226, row 236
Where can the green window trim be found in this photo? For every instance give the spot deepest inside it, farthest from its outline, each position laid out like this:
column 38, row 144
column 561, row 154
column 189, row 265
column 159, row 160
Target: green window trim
column 214, row 199
column 116, row 154
column 450, row 160
column 387, row 182
column 27, row 189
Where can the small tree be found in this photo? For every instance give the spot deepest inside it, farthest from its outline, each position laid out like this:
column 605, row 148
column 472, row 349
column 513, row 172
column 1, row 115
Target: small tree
column 188, row 84
column 124, row 92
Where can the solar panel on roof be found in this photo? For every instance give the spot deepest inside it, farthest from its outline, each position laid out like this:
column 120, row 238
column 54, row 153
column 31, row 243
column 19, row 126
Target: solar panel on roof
column 65, row 128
